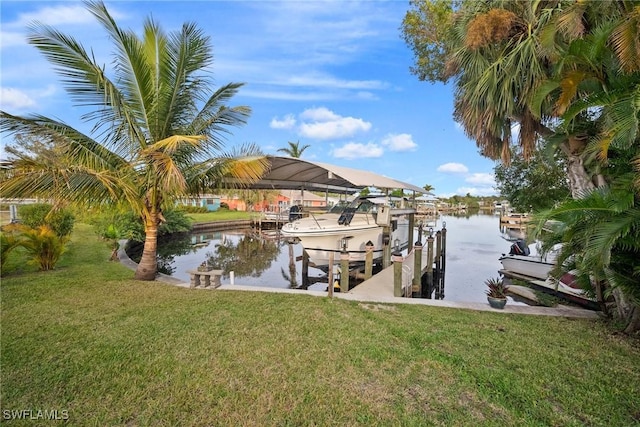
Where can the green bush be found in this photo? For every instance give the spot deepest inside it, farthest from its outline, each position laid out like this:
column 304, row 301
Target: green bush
column 192, row 209
column 38, row 214
column 9, row 240
column 43, row 245
column 129, row 225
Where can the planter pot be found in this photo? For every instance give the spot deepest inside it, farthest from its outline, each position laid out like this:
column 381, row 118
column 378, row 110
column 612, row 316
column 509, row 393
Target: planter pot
column 497, row 302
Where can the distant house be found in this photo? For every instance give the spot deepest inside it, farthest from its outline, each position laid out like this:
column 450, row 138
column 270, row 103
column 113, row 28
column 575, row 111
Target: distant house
column 209, row 201
column 287, row 198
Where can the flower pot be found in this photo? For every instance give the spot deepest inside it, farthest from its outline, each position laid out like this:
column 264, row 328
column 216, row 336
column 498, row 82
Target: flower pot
column 497, row 302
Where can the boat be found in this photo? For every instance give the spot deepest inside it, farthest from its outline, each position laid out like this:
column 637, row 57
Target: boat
column 520, row 261
column 349, row 229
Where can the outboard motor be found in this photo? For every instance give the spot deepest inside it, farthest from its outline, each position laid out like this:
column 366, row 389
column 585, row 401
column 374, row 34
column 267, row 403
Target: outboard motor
column 295, row 212
column 519, row 248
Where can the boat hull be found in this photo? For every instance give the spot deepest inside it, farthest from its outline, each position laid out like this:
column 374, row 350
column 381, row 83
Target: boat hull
column 532, row 266
column 323, row 236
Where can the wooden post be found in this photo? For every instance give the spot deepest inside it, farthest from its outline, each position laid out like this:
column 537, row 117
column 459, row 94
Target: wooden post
column 305, row 269
column 386, row 246
column 368, row 261
column 429, row 290
column 344, row 273
column 412, row 223
column 438, row 256
column 330, row 274
column 416, row 287
column 397, row 274
column 444, row 256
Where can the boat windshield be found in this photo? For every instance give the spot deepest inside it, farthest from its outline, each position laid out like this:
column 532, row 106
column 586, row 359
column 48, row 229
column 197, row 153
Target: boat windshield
column 357, row 205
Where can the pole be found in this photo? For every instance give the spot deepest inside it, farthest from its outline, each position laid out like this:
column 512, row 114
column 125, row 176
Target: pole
column 397, row 259
column 330, row 275
column 437, row 267
column 344, row 273
column 429, row 290
column 444, row 255
column 368, row 260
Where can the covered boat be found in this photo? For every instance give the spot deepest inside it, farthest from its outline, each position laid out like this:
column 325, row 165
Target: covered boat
column 350, row 229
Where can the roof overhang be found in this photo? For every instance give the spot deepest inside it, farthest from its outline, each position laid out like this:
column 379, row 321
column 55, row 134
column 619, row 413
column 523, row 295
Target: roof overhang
column 295, row 173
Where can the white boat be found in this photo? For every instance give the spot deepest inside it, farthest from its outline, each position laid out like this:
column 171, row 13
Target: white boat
column 520, row 261
column 349, row 229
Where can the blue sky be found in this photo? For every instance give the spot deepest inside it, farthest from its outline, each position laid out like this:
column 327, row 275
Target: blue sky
column 333, row 75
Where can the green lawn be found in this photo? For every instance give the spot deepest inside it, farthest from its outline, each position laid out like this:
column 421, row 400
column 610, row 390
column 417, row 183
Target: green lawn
column 222, row 215
column 109, row 350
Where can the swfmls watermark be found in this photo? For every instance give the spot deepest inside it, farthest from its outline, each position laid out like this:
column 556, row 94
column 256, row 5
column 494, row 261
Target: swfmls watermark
column 35, row 414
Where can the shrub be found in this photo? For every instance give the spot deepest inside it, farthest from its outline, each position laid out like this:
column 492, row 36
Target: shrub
column 9, row 240
column 192, row 209
column 129, row 226
column 43, row 245
column 38, row 214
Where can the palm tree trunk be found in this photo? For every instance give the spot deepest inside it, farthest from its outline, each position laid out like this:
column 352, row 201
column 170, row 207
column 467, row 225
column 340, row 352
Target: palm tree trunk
column 579, row 179
column 148, row 265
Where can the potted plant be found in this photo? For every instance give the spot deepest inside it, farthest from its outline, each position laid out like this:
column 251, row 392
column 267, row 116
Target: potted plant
column 496, row 292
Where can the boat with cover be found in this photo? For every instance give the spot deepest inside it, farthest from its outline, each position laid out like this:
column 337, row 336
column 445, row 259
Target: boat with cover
column 350, row 228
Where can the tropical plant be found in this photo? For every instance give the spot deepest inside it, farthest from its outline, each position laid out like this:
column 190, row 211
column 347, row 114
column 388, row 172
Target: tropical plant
column 601, row 241
column 294, row 149
column 496, row 288
column 566, row 73
column 9, row 240
column 43, row 245
column 159, row 126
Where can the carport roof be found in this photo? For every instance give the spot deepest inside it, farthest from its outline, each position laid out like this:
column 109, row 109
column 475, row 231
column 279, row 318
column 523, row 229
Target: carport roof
column 295, row 173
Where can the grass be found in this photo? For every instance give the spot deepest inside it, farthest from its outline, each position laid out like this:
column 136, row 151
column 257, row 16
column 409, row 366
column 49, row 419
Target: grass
column 221, row 215
column 109, row 350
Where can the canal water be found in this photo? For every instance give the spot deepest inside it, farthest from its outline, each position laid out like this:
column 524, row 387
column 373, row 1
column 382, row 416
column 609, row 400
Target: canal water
column 474, row 244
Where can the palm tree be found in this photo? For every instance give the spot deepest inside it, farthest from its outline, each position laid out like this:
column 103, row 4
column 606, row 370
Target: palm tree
column 158, row 127
column 428, row 188
column 294, row 149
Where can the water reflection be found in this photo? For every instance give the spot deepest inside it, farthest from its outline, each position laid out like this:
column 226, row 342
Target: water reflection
column 474, row 244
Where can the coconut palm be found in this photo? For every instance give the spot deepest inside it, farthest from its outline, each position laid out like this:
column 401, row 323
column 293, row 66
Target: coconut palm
column 294, row 149
column 157, row 131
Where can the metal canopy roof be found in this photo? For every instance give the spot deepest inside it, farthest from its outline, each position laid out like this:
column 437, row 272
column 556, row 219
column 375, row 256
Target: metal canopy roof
column 294, row 173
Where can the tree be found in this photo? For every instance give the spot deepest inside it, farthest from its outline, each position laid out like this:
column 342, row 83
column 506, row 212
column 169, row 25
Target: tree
column 294, row 149
column 536, row 184
column 428, row 188
column 563, row 74
column 158, row 126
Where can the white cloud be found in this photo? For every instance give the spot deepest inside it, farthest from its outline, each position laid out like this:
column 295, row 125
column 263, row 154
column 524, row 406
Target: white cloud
column 481, row 179
column 476, row 191
column 325, row 124
column 400, row 142
column 321, row 114
column 14, row 99
column 59, row 15
column 12, row 38
column 453, row 168
column 288, row 122
column 354, row 150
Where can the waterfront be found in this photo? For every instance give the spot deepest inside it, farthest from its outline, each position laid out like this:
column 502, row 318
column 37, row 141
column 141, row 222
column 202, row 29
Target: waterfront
column 474, row 244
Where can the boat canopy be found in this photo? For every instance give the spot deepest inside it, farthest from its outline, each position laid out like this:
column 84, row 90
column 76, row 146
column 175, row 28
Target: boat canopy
column 295, row 173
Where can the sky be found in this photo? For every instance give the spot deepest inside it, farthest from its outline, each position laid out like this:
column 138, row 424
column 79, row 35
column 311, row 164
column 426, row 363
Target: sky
column 334, row 75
